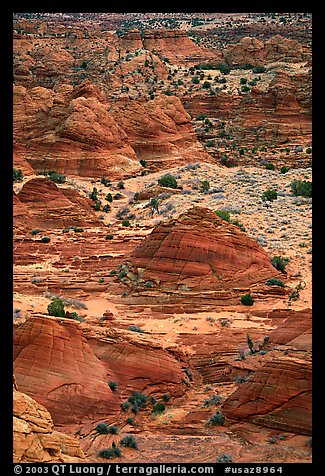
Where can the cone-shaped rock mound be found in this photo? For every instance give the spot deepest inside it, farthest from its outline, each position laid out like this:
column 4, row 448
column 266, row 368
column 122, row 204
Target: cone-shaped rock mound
column 203, row 252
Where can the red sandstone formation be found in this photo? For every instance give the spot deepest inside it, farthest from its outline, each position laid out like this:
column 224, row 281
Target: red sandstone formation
column 72, row 136
column 278, row 396
column 55, row 207
column 177, row 47
column 160, row 132
column 34, row 438
column 201, row 251
column 282, row 113
column 68, row 369
column 255, row 52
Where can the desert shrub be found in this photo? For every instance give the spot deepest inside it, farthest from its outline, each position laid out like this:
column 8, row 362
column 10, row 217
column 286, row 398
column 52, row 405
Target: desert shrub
column 125, row 406
column 279, row 263
column 102, row 428
column 216, row 419
column 56, row 308
column 284, row 169
column 269, row 166
column 308, row 150
column 105, row 181
column 224, row 68
column 129, row 441
column 110, row 453
column 126, row 223
column 135, row 328
column 113, row 430
column 247, row 300
column 259, row 69
column 214, row 400
column 205, row 185
column 56, row 177
column 109, row 197
column 245, row 89
column 166, row 397
column 93, row 195
column 158, row 408
column 45, row 239
column 78, row 230
column 112, row 385
column 106, row 208
column 206, row 85
column 224, row 458
column 269, row 195
column 243, row 80
column 120, row 185
column 237, row 223
column 109, row 237
column 275, row 282
column 223, row 214
column 167, row 181
column 138, row 399
column 301, row 188
column 130, row 421
column 34, row 232
column 17, row 175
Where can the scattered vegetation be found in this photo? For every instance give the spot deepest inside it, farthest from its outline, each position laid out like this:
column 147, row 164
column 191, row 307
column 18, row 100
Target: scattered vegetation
column 129, row 441
column 17, row 175
column 269, row 195
column 168, row 180
column 301, row 188
column 279, row 263
column 56, row 308
column 216, row 419
column 275, row 282
column 158, row 408
column 112, row 385
column 247, row 300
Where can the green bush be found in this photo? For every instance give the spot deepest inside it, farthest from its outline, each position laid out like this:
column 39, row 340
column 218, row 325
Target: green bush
column 259, row 69
column 106, row 208
column 243, row 80
column 279, row 263
column 158, row 408
column 56, row 177
column 284, row 169
column 143, row 163
column 269, row 166
column 275, row 282
column 224, row 68
column 205, row 185
column 17, row 175
column 301, row 188
column 109, row 237
column 56, row 308
column 105, row 181
column 308, row 150
column 120, row 185
column 223, row 214
column 35, row 232
column 247, row 300
column 269, row 195
column 224, row 458
column 112, row 385
column 45, row 239
column 110, row 453
column 167, row 181
column 102, row 428
column 126, row 223
column 129, row 441
column 138, row 399
column 245, row 89
column 109, row 197
column 216, row 419
column 206, row 85
column 113, row 430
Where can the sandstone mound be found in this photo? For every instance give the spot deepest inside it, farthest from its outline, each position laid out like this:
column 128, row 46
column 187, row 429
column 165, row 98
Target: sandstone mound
column 160, row 132
column 34, row 438
column 203, row 252
column 70, row 135
column 253, row 51
column 177, row 46
column 52, row 207
column 278, row 396
column 67, row 369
